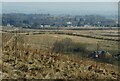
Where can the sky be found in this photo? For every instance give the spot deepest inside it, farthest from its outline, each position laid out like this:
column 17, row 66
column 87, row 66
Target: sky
column 72, row 8
column 59, row 0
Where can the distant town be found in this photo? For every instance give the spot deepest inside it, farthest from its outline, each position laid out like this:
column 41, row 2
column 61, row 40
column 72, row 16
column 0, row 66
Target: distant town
column 49, row 20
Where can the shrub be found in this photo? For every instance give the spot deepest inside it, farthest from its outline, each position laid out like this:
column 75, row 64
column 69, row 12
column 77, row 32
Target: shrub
column 68, row 46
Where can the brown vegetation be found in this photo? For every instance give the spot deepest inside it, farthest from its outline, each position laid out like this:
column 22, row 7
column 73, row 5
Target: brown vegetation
column 23, row 60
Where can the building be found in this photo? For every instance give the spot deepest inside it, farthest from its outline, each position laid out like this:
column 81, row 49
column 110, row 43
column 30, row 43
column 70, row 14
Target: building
column 69, row 24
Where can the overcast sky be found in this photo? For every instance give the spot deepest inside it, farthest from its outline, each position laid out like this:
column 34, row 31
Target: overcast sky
column 75, row 8
column 60, row 0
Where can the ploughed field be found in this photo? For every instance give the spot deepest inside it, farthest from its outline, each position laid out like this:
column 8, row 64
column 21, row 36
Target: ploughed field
column 30, row 55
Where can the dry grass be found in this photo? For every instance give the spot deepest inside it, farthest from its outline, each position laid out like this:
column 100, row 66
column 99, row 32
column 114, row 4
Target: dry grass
column 29, row 61
column 48, row 40
column 42, row 65
column 96, row 33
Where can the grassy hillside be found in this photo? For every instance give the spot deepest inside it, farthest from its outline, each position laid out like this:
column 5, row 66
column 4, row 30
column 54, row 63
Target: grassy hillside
column 31, row 58
column 41, row 65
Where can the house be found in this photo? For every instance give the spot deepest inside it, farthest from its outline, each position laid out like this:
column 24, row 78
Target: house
column 69, row 24
column 8, row 25
column 46, row 25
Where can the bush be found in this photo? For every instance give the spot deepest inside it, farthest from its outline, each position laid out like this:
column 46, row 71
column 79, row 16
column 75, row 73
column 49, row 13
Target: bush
column 68, row 46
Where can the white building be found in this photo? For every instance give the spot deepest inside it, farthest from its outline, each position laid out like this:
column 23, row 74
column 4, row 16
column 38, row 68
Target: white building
column 69, row 24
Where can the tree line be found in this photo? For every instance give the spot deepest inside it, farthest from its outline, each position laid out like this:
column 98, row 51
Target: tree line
column 48, row 20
